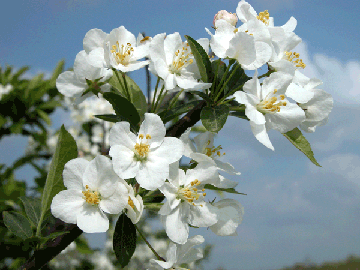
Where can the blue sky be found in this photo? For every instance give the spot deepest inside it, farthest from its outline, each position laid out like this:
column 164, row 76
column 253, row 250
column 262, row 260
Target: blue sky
column 293, row 209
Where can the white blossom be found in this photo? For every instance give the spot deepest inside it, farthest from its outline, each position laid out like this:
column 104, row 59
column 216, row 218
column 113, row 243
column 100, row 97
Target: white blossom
column 92, row 189
column 145, row 156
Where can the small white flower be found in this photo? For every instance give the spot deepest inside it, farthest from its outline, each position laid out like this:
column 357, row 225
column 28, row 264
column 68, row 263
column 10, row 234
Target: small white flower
column 145, row 156
column 92, row 189
column 267, row 107
column 206, row 152
column 135, row 206
column 230, row 216
column 73, row 83
column 179, row 254
column 185, row 201
column 317, row 110
column 173, row 61
column 121, row 51
column 4, row 90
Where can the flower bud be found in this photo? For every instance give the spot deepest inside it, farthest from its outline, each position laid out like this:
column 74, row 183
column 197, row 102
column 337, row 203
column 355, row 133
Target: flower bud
column 227, row 16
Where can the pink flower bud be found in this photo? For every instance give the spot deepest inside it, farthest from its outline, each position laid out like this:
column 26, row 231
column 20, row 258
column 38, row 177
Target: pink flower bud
column 227, row 16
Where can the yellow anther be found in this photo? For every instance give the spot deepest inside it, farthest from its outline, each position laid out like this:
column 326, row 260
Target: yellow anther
column 203, row 189
column 195, row 189
column 294, row 58
column 204, row 194
column 91, row 197
column 141, row 136
column 148, row 136
column 142, row 149
column 282, row 97
column 182, row 58
column 264, row 17
column 275, row 91
column 131, row 203
column 144, row 39
column 122, row 54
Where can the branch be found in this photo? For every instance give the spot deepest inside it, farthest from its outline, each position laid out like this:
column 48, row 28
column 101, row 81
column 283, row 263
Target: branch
column 190, row 119
column 53, row 247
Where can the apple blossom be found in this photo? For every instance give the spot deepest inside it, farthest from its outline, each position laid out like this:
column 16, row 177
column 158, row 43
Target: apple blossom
column 230, row 216
column 173, row 61
column 145, row 156
column 179, row 254
column 267, row 107
column 206, row 152
column 185, row 201
column 73, row 84
column 92, row 189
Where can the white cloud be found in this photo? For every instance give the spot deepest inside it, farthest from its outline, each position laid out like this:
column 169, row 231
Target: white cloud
column 346, row 166
column 341, row 80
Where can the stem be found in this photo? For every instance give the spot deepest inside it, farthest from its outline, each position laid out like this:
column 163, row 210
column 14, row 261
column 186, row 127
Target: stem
column 172, row 103
column 152, row 249
column 222, row 88
column 156, row 88
column 267, row 74
column 159, row 98
column 222, row 80
column 126, row 87
column 227, row 101
column 118, row 77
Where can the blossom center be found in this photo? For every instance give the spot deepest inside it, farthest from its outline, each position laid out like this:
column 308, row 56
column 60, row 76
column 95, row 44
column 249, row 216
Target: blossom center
column 295, row 59
column 131, row 203
column 213, row 152
column 264, row 17
column 190, row 193
column 91, row 197
column 143, row 148
column 271, row 104
column 122, row 53
column 182, row 58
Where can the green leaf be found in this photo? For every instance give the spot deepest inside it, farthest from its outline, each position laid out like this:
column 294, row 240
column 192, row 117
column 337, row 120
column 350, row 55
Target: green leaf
column 202, row 59
column 123, row 108
column 82, row 245
column 57, row 71
column 44, row 116
column 137, row 97
column 168, row 115
column 18, row 224
column 124, row 240
column 109, row 117
column 202, row 95
column 214, row 118
column 52, row 236
column 51, row 104
column 65, row 151
column 228, row 190
column 238, row 79
column 299, row 141
column 32, row 209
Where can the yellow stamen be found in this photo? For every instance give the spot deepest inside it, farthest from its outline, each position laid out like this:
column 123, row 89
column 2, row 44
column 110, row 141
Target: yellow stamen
column 294, row 58
column 91, row 197
column 264, row 17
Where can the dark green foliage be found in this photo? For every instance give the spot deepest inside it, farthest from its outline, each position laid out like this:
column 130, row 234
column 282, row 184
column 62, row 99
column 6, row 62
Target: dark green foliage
column 124, row 240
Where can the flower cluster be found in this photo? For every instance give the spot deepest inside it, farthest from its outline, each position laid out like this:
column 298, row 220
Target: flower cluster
column 143, row 162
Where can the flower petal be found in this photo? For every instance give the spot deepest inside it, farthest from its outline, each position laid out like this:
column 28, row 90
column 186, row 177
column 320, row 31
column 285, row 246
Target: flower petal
column 175, row 224
column 154, row 126
column 73, row 173
column 92, row 220
column 67, row 204
column 123, row 161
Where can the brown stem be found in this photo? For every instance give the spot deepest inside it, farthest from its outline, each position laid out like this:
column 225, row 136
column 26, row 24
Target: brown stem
column 53, row 247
